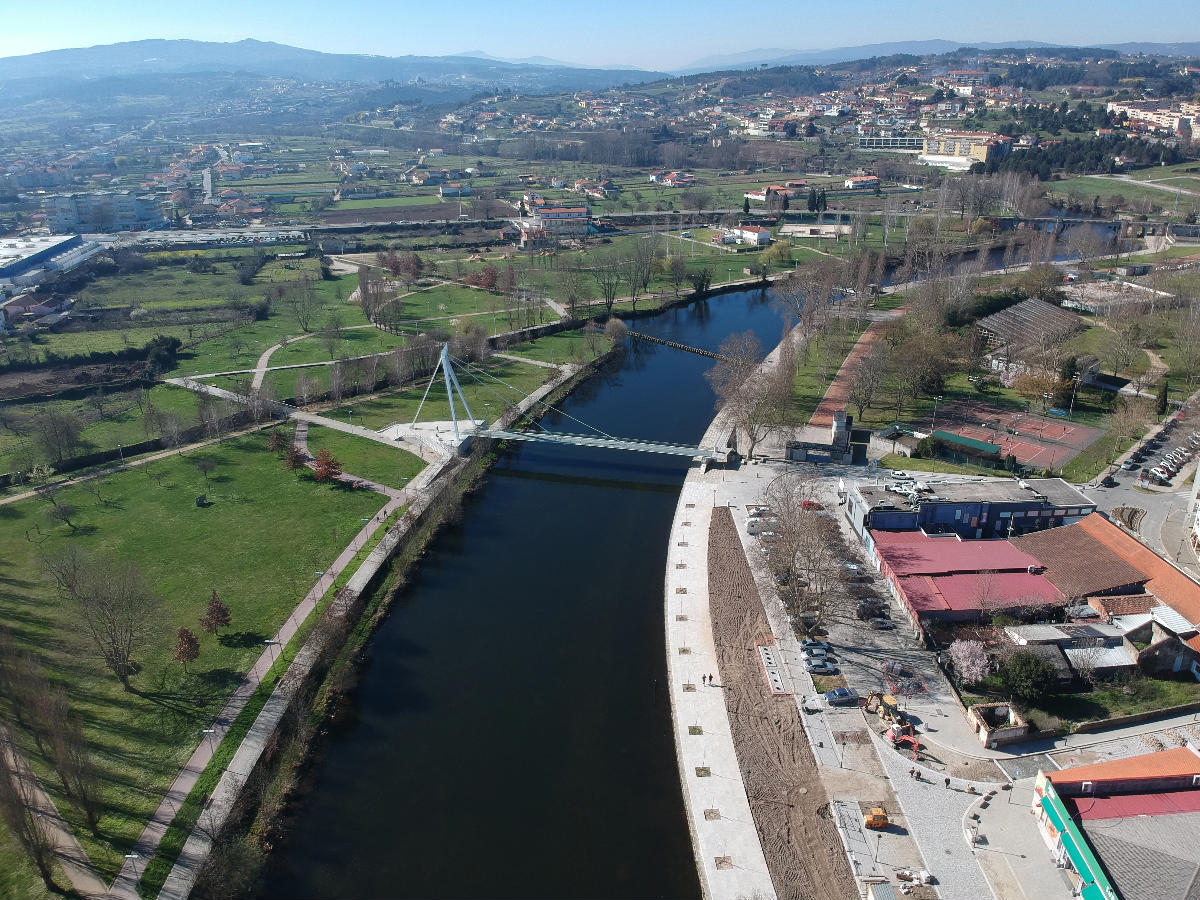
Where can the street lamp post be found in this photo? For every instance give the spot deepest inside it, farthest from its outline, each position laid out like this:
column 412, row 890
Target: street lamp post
column 1074, row 390
column 933, row 424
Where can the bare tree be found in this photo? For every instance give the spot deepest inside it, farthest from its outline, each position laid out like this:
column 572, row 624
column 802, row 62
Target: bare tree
column 187, row 647
column 868, row 378
column 606, row 270
column 303, row 302
column 72, row 759
column 18, row 808
column 56, row 433
column 636, row 268
column 304, row 389
column 756, row 403
column 261, row 403
column 615, row 331
column 114, row 606
column 1085, row 659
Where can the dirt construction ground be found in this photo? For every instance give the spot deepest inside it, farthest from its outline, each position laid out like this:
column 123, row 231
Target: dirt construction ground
column 791, row 810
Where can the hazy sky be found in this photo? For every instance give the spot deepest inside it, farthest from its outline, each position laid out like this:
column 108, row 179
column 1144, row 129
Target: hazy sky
column 654, row 35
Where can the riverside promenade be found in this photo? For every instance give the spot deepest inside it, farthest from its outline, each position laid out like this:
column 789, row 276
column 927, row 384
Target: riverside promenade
column 729, row 855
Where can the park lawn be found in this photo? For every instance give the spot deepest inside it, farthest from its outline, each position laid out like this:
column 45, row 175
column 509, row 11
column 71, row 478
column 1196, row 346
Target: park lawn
column 908, row 463
column 1095, row 341
column 119, row 420
column 442, row 300
column 258, row 543
column 1094, row 459
column 168, row 283
column 486, row 397
column 1157, row 173
column 1086, row 187
column 561, row 348
column 19, row 878
column 348, row 342
column 825, row 355
column 240, row 348
column 390, row 465
column 1187, row 183
column 71, row 343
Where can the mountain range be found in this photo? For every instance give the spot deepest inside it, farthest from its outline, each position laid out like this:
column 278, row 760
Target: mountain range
column 462, row 74
column 828, row 56
column 161, row 56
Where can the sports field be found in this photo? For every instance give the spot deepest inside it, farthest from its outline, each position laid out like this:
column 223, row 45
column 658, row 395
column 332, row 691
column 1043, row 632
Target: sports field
column 1045, row 442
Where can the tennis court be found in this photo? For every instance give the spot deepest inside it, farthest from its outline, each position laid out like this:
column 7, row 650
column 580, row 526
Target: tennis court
column 1042, row 441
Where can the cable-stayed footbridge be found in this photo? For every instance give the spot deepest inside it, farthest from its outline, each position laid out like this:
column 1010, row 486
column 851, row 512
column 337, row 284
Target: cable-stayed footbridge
column 488, row 382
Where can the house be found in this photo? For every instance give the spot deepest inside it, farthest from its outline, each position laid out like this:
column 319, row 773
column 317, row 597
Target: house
column 753, row 234
column 1127, row 828
column 454, row 189
column 534, row 238
column 436, row 151
column 862, row 182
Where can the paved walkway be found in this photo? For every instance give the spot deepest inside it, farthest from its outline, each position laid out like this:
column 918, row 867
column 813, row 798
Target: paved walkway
column 522, row 359
column 837, row 395
column 727, row 848
column 936, row 816
column 1010, row 849
column 67, row 850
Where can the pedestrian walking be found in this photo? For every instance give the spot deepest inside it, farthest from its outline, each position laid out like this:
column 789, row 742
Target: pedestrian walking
column 710, row 679
column 704, row 679
column 912, row 771
column 918, row 775
column 947, row 784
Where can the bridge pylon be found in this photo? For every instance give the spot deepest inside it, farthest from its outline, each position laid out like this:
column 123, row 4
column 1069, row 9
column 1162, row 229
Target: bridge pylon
column 452, row 386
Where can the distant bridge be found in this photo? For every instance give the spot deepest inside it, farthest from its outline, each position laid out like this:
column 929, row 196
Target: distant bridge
column 675, row 345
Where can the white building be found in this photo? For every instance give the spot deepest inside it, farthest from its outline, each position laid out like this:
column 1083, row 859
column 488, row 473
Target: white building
column 102, row 211
column 753, row 234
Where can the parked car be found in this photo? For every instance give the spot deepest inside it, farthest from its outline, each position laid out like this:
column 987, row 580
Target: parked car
column 821, row 667
column 814, row 644
column 1130, row 466
column 841, row 697
column 811, row 504
column 1108, row 481
column 813, row 654
column 879, row 623
column 871, row 608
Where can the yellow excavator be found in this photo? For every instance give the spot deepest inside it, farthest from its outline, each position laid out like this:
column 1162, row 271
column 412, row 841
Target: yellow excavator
column 885, row 706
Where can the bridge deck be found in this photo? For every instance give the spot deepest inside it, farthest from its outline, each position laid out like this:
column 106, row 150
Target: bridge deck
column 585, row 440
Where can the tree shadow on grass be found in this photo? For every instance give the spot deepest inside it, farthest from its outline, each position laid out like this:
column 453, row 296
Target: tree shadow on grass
column 223, row 680
column 241, row 639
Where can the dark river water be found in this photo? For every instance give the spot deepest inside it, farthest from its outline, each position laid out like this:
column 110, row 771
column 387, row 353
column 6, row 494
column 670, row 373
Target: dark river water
column 510, row 736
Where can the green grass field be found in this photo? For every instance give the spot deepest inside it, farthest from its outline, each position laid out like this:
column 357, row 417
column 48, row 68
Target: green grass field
column 483, row 394
column 116, row 419
column 374, row 461
column 258, row 544
column 813, row 375
column 564, row 347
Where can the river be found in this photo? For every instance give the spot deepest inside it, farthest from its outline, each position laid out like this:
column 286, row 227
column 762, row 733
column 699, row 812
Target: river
column 511, row 735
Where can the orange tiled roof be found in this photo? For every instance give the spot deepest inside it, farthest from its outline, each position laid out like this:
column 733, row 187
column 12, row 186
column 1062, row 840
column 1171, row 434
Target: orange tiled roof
column 1129, row 605
column 1179, row 761
column 1165, row 581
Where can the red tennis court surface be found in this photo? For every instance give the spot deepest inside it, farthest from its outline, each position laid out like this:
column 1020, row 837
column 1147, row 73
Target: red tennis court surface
column 1042, row 441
